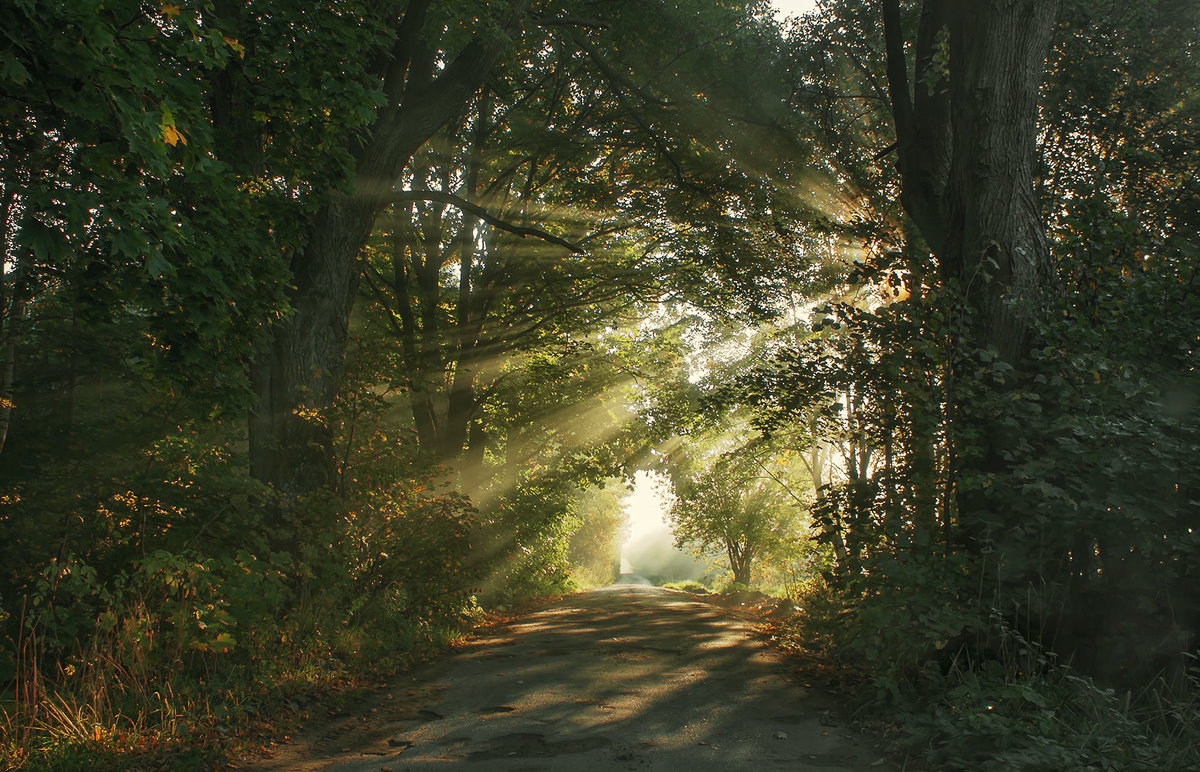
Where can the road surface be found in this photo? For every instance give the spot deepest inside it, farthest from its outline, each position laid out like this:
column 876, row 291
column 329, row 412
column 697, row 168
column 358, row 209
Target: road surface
column 618, row 678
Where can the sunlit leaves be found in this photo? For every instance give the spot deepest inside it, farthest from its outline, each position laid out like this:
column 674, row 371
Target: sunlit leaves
column 170, row 134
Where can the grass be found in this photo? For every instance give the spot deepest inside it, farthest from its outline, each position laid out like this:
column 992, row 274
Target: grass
column 106, row 713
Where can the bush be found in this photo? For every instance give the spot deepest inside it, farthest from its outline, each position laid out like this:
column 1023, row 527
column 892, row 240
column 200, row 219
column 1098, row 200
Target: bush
column 164, row 606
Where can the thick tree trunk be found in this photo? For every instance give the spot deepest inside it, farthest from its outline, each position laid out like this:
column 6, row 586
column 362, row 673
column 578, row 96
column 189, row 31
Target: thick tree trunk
column 966, row 140
column 297, row 373
column 995, row 241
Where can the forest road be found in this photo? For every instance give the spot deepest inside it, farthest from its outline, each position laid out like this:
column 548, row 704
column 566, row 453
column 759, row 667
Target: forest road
column 618, row 678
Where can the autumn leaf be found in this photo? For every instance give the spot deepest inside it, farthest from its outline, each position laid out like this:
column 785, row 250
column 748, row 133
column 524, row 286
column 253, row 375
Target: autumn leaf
column 172, row 136
column 236, row 46
column 166, row 124
column 170, row 10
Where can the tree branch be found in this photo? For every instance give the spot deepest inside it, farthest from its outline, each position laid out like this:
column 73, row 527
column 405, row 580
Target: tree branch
column 450, row 199
column 897, row 73
column 615, row 76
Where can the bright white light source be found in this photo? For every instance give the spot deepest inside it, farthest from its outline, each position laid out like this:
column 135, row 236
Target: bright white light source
column 646, row 507
column 788, row 8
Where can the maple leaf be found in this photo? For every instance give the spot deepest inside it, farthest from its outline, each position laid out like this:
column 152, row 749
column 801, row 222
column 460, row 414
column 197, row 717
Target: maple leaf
column 166, row 124
column 172, row 136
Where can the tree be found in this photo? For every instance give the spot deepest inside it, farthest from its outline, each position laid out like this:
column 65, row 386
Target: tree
column 1002, row 393
column 138, row 253
column 599, row 527
column 966, row 128
column 727, row 510
column 569, row 197
column 425, row 76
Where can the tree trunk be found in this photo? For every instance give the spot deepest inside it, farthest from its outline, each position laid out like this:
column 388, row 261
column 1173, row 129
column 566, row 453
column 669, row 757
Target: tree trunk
column 297, row 373
column 995, row 241
column 14, row 318
column 966, row 152
column 740, row 563
column 461, row 402
column 966, row 140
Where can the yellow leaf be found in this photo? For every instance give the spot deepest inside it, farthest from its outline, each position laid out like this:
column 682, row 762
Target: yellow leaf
column 170, row 10
column 236, row 46
column 172, row 135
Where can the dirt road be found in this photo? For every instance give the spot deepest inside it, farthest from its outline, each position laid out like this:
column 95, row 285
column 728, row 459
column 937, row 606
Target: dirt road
column 619, row 678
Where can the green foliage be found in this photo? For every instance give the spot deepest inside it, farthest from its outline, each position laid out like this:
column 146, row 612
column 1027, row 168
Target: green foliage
column 997, row 721
column 113, row 213
column 597, row 527
column 160, row 167
column 982, row 514
column 157, row 604
column 731, row 502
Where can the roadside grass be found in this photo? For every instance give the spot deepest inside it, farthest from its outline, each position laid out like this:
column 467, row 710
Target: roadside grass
column 106, row 713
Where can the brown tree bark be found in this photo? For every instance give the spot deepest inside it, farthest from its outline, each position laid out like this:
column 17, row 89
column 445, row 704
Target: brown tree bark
column 966, row 141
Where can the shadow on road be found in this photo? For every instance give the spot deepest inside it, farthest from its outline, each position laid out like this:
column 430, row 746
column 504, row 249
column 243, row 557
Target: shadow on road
column 628, row 677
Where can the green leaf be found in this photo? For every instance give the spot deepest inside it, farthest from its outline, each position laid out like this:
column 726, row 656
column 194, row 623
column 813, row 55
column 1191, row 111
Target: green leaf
column 11, row 69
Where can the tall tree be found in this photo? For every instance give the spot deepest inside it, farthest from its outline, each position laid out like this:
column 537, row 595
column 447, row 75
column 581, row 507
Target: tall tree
column 425, row 78
column 966, row 128
column 588, row 138
column 428, row 76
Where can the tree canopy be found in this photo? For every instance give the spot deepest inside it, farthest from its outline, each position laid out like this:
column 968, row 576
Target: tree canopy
column 324, row 328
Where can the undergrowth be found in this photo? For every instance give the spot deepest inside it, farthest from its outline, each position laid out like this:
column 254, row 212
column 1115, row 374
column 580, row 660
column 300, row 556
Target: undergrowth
column 988, row 700
column 113, row 707
column 688, row 586
column 177, row 613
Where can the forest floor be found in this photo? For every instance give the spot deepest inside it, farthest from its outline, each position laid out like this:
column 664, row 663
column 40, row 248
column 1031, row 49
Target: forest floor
column 617, row 678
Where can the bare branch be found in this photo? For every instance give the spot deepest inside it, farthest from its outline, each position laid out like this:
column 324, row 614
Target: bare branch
column 573, row 21
column 442, row 197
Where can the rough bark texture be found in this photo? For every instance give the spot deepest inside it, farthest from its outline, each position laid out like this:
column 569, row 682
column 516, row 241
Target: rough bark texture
column 297, row 374
column 966, row 132
column 996, row 239
column 966, row 138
